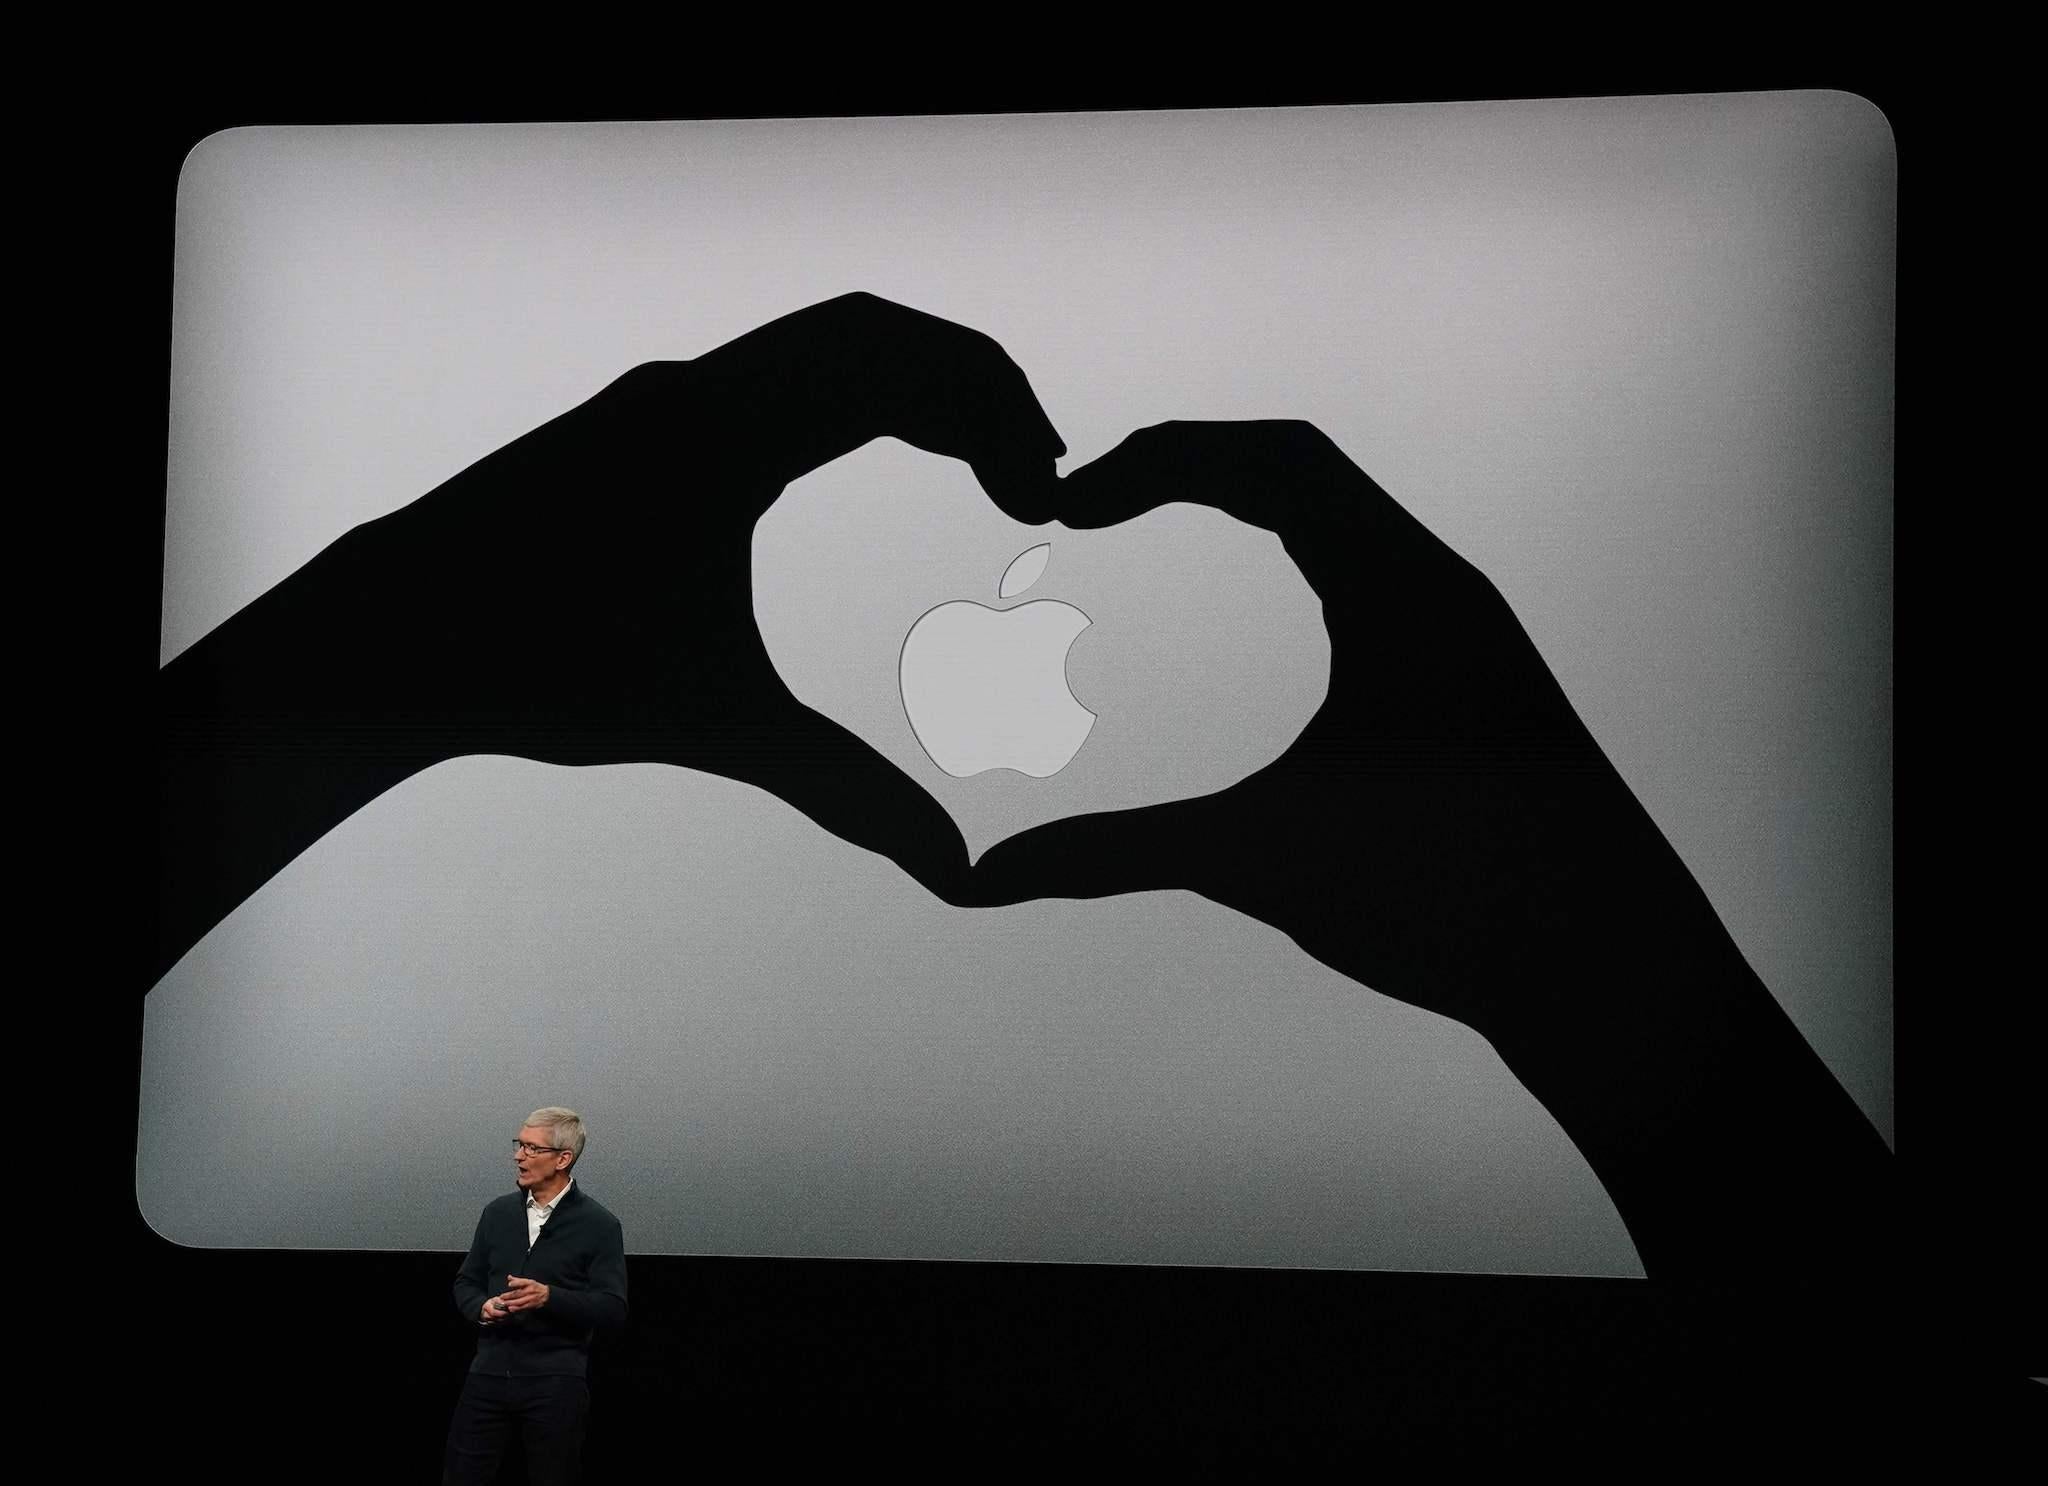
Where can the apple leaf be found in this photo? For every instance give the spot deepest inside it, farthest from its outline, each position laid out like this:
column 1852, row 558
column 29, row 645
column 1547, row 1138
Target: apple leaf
column 1024, row 570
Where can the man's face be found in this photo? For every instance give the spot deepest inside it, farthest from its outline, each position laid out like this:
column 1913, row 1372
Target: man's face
column 535, row 1160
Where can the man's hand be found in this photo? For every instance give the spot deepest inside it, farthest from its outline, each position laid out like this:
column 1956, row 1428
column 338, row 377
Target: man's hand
column 494, row 1310
column 522, row 1295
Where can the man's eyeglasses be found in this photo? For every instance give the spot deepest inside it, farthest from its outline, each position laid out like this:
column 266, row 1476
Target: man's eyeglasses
column 538, row 1150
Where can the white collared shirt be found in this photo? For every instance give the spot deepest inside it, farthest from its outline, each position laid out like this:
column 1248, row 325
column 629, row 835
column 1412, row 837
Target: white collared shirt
column 537, row 1214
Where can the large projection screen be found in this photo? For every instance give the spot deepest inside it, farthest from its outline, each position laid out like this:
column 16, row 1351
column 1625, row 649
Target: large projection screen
column 1632, row 357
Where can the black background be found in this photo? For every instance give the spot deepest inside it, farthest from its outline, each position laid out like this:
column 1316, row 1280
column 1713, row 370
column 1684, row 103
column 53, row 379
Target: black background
column 297, row 1365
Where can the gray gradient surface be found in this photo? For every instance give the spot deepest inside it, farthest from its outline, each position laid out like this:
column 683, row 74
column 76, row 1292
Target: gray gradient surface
column 1631, row 357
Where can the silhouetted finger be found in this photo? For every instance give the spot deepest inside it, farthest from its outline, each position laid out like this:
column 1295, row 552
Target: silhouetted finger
column 944, row 387
column 1284, row 476
column 812, row 763
column 1150, row 849
column 819, row 383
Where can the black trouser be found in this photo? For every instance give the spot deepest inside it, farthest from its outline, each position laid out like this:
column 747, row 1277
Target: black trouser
column 549, row 1413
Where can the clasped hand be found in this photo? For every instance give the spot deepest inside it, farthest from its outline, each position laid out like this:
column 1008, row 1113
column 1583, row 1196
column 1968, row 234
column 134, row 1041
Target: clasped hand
column 520, row 1295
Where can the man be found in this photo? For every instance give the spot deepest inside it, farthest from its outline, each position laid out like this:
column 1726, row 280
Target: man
column 545, row 1272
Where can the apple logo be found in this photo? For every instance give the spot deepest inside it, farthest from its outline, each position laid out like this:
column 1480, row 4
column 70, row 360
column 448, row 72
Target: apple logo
column 987, row 688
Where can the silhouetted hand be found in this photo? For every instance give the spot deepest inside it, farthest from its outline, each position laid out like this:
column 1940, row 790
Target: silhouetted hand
column 1446, row 831
column 1431, row 822
column 583, row 596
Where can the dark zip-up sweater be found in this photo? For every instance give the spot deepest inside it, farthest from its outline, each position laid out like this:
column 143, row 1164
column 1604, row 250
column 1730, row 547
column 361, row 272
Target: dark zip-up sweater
column 580, row 1256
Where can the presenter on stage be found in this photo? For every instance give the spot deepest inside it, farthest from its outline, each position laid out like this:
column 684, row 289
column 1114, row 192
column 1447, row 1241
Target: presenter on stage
column 545, row 1273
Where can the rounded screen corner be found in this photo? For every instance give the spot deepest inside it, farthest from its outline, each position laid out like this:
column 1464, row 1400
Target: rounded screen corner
column 200, row 157
column 1873, row 117
column 155, row 1229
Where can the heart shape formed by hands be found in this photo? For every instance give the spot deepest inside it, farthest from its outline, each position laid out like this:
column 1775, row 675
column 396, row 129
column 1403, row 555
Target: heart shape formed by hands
column 532, row 606
column 1417, row 834
column 1203, row 656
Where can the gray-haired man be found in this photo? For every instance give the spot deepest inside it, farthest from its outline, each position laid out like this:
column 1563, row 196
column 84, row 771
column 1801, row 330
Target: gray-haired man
column 545, row 1273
